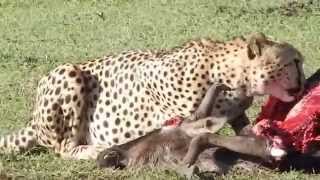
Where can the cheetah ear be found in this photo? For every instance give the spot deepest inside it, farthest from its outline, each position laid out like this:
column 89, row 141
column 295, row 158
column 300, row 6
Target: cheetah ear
column 256, row 42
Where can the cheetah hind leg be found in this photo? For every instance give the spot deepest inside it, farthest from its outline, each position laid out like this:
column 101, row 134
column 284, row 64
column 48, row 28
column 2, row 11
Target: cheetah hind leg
column 70, row 142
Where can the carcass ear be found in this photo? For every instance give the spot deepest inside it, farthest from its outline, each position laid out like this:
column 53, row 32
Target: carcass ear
column 256, row 42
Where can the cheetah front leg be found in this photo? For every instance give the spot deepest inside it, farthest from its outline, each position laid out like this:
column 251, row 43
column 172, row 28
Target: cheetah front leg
column 85, row 152
column 205, row 107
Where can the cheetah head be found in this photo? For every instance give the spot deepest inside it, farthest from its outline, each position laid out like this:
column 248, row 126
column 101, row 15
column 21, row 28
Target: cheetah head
column 276, row 68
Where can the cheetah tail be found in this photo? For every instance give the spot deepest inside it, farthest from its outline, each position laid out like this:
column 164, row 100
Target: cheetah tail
column 20, row 141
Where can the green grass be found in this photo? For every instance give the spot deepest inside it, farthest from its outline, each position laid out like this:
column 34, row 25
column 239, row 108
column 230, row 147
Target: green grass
column 37, row 35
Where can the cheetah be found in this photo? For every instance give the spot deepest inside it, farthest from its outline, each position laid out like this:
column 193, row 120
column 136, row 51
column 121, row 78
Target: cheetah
column 81, row 109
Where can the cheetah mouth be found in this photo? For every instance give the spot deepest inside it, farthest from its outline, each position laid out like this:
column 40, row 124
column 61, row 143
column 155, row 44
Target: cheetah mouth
column 291, row 94
column 286, row 97
column 294, row 91
column 285, row 94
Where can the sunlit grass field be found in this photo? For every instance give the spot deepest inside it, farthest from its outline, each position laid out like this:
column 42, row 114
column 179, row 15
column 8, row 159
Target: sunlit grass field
column 37, row 35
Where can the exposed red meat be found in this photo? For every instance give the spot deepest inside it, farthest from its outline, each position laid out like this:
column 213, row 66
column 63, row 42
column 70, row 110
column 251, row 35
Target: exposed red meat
column 291, row 125
column 173, row 122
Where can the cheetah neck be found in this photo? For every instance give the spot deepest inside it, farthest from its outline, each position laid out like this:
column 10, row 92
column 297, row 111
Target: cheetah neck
column 230, row 65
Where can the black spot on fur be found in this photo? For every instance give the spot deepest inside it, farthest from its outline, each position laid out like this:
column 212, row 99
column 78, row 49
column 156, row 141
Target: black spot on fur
column 116, row 140
column 16, row 142
column 72, row 73
column 102, row 137
column 62, row 71
column 127, row 135
column 68, row 99
column 45, row 103
column 117, row 121
column 58, row 90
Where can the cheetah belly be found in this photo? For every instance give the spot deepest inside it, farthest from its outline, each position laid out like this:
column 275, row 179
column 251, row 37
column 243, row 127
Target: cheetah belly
column 122, row 114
